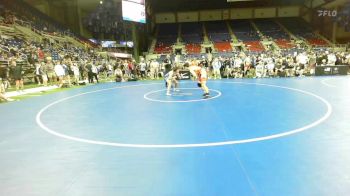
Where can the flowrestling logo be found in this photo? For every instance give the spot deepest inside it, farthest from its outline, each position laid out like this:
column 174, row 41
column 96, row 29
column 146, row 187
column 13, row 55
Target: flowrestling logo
column 340, row 16
column 329, row 13
column 185, row 75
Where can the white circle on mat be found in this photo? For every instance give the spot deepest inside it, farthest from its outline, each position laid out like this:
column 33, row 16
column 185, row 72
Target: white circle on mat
column 189, row 145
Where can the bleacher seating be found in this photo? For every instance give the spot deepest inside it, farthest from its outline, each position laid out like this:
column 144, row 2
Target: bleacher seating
column 192, row 33
column 40, row 22
column 192, row 37
column 14, row 43
column 254, row 46
column 223, row 46
column 317, row 42
column 193, row 48
column 167, row 36
column 273, row 31
column 302, row 30
column 162, row 49
column 246, row 33
column 284, row 43
column 251, row 33
column 218, row 33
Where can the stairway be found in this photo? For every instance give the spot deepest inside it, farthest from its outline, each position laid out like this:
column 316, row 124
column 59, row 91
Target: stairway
column 205, row 34
column 260, row 35
column 233, row 36
column 29, row 33
column 154, row 41
column 285, row 29
column 179, row 33
column 153, row 46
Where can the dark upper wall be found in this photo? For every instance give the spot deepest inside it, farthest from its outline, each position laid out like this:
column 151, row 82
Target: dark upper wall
column 189, row 5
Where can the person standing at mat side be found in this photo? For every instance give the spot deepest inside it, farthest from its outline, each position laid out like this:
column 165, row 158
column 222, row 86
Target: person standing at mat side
column 171, row 79
column 17, row 74
column 202, row 76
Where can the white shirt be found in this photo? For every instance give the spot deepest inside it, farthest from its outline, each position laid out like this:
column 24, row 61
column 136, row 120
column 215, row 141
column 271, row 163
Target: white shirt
column 331, row 58
column 270, row 65
column 302, row 59
column 216, row 65
column 143, row 66
column 248, row 61
column 59, row 70
column 154, row 65
column 75, row 70
column 238, row 62
column 94, row 69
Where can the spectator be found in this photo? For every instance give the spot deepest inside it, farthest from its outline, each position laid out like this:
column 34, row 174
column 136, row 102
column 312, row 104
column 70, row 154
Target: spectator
column 38, row 72
column 76, row 72
column 50, row 71
column 216, row 68
column 17, row 75
column 94, row 71
column 60, row 73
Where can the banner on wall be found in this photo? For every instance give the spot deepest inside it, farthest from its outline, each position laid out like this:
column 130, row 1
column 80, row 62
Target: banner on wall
column 332, row 70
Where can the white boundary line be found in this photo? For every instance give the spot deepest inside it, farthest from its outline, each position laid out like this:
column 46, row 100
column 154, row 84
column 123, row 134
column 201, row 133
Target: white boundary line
column 179, row 101
column 211, row 144
column 327, row 84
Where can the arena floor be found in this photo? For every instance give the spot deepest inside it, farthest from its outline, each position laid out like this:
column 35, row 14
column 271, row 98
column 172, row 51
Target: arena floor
column 252, row 137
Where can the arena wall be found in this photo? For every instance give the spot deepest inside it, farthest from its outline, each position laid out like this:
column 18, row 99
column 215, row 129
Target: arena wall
column 210, row 15
column 226, row 14
column 242, row 13
column 166, row 18
column 290, row 11
column 342, row 36
column 265, row 12
column 187, row 16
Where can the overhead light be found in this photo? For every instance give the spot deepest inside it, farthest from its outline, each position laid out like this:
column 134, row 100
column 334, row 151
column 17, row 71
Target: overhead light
column 101, row 2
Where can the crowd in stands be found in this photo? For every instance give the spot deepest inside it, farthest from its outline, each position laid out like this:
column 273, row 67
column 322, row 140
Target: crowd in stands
column 76, row 66
column 20, row 13
column 40, row 23
column 24, row 60
column 70, row 70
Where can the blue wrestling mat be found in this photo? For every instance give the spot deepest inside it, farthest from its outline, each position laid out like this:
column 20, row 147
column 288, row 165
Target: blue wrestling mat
column 250, row 137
